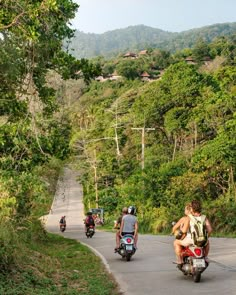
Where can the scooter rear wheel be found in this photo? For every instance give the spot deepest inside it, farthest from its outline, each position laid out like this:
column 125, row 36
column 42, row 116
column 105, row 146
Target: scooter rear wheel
column 197, row 277
column 128, row 256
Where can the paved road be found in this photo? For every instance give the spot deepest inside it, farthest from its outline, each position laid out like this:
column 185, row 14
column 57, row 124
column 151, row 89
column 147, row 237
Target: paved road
column 150, row 270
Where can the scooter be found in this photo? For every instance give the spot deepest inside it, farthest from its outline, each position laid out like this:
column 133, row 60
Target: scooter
column 90, row 231
column 62, row 227
column 126, row 249
column 194, row 262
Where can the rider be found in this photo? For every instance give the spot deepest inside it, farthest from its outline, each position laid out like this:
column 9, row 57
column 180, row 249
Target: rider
column 196, row 212
column 117, row 226
column 62, row 221
column 186, row 228
column 129, row 225
column 185, row 240
column 89, row 221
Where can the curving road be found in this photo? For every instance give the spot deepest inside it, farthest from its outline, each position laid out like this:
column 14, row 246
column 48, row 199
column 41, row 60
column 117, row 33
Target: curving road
column 150, row 270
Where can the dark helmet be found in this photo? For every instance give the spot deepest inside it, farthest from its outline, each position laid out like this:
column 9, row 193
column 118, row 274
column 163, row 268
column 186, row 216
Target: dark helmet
column 89, row 213
column 131, row 210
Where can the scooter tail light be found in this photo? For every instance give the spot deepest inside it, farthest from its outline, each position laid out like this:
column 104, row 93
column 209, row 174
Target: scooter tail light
column 129, row 240
column 198, row 251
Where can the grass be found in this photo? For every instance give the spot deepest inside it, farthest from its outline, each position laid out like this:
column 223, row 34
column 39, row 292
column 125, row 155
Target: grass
column 57, row 266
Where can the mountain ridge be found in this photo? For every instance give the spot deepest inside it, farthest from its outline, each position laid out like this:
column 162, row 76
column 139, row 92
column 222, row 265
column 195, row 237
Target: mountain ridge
column 135, row 38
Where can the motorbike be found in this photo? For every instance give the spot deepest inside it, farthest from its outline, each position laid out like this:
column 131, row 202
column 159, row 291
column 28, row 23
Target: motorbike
column 62, row 227
column 90, row 231
column 126, row 249
column 194, row 262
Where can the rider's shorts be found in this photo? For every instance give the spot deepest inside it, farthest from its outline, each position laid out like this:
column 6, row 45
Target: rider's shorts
column 187, row 241
column 124, row 233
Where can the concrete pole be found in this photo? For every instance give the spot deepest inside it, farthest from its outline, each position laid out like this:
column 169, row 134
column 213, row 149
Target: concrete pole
column 143, row 129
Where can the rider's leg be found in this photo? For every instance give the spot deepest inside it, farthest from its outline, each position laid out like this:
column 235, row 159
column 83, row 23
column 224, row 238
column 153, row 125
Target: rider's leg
column 207, row 249
column 136, row 240
column 178, row 250
column 117, row 239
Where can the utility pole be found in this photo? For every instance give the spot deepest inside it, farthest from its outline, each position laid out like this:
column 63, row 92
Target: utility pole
column 143, row 129
column 95, row 178
column 116, row 135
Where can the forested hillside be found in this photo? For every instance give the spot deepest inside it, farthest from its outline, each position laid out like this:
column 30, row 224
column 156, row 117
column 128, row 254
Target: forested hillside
column 189, row 152
column 136, row 38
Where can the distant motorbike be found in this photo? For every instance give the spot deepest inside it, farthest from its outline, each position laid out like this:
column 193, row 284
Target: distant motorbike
column 194, row 262
column 62, row 227
column 90, row 231
column 126, row 249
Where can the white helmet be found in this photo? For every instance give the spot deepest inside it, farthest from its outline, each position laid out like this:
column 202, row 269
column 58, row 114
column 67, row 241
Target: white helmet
column 131, row 210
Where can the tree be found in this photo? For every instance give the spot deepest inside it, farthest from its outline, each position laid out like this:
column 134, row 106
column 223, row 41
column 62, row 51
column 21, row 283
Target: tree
column 32, row 130
column 200, row 50
column 129, row 69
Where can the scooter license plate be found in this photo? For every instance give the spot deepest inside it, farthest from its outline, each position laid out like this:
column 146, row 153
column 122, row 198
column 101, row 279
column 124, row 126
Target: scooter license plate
column 129, row 247
column 199, row 263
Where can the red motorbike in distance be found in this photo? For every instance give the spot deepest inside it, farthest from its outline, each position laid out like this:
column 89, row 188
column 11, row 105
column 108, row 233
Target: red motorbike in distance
column 194, row 262
column 90, row 231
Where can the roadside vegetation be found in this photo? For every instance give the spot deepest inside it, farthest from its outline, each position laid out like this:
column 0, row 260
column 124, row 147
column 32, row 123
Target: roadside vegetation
column 34, row 143
column 35, row 262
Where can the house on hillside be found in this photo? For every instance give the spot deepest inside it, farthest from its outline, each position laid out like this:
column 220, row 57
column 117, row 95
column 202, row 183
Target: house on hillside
column 190, row 60
column 100, row 79
column 145, row 76
column 143, row 52
column 206, row 60
column 115, row 76
column 130, row 55
column 112, row 77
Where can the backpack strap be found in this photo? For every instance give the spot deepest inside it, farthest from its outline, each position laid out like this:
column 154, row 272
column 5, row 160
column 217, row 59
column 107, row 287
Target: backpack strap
column 203, row 218
column 195, row 221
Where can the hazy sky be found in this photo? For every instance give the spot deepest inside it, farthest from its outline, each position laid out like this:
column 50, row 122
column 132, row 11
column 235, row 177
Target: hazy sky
column 99, row 16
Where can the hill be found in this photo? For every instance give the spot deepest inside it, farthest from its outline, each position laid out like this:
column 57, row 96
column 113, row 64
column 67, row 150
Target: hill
column 138, row 37
column 189, row 152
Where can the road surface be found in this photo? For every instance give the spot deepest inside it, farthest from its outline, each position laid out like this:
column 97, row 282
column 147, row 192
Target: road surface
column 150, row 270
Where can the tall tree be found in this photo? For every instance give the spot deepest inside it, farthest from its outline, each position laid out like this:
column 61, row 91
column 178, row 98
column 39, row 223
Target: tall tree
column 32, row 33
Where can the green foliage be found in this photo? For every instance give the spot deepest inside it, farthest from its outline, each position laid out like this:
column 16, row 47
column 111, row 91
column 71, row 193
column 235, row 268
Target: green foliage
column 189, row 155
column 129, row 69
column 109, row 203
column 200, row 50
column 32, row 130
column 9, row 243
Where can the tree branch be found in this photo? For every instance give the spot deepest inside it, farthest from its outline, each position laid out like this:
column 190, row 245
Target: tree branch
column 13, row 23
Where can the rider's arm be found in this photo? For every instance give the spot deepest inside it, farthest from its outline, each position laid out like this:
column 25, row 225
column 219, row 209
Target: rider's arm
column 186, row 225
column 136, row 228
column 121, row 226
column 117, row 223
column 208, row 227
column 177, row 225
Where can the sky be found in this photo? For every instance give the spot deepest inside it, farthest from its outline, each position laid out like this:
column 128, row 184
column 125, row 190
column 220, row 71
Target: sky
column 99, row 16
